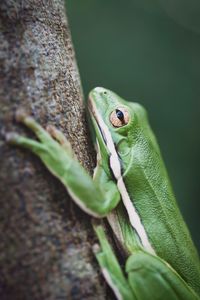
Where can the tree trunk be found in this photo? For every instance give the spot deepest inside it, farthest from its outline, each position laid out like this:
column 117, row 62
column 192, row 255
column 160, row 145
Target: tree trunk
column 45, row 249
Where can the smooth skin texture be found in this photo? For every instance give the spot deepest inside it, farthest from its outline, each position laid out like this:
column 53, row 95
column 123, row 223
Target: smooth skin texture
column 131, row 188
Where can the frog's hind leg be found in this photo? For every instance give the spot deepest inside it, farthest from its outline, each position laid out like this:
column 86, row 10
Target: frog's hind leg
column 151, row 278
column 110, row 267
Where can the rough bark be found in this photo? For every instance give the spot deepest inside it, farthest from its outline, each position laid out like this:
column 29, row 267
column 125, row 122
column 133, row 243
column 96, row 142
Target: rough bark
column 45, row 249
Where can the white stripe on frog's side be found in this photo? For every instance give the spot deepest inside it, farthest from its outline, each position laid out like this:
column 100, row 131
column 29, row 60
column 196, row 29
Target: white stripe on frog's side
column 116, row 169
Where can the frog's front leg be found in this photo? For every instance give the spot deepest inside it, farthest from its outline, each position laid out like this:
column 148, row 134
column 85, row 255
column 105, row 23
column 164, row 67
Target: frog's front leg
column 56, row 153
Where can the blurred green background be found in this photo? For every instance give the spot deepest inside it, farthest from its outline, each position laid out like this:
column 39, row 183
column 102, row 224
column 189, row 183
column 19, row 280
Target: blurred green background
column 149, row 51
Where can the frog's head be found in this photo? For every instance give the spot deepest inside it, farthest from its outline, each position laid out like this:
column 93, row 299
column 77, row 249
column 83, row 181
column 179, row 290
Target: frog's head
column 116, row 122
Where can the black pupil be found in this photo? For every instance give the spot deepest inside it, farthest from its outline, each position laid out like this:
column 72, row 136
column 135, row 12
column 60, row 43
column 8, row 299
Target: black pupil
column 119, row 114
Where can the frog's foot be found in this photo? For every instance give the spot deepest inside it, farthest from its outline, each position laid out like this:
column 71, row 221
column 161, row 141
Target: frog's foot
column 45, row 136
column 54, row 156
column 19, row 140
column 46, row 143
column 23, row 117
column 51, row 147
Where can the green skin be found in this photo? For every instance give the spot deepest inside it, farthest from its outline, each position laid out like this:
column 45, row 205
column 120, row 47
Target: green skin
column 133, row 191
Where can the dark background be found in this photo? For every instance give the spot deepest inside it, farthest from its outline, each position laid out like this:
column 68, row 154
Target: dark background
column 149, row 52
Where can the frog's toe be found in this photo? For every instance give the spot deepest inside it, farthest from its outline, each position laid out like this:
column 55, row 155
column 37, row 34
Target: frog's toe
column 21, row 114
column 58, row 136
column 51, row 130
column 12, row 137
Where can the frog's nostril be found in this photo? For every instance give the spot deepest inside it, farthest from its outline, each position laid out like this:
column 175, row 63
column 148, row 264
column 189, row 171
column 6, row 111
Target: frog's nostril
column 99, row 90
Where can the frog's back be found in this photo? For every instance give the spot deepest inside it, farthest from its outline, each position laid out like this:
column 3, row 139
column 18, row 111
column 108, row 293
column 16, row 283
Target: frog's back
column 150, row 190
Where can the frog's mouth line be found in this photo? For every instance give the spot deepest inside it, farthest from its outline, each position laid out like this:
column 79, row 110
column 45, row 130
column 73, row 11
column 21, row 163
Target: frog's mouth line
column 116, row 170
column 106, row 135
column 94, row 117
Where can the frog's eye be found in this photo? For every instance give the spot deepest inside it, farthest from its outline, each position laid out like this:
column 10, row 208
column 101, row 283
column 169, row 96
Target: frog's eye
column 119, row 117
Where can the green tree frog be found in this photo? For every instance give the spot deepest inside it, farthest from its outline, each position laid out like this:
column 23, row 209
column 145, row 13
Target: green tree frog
column 131, row 188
